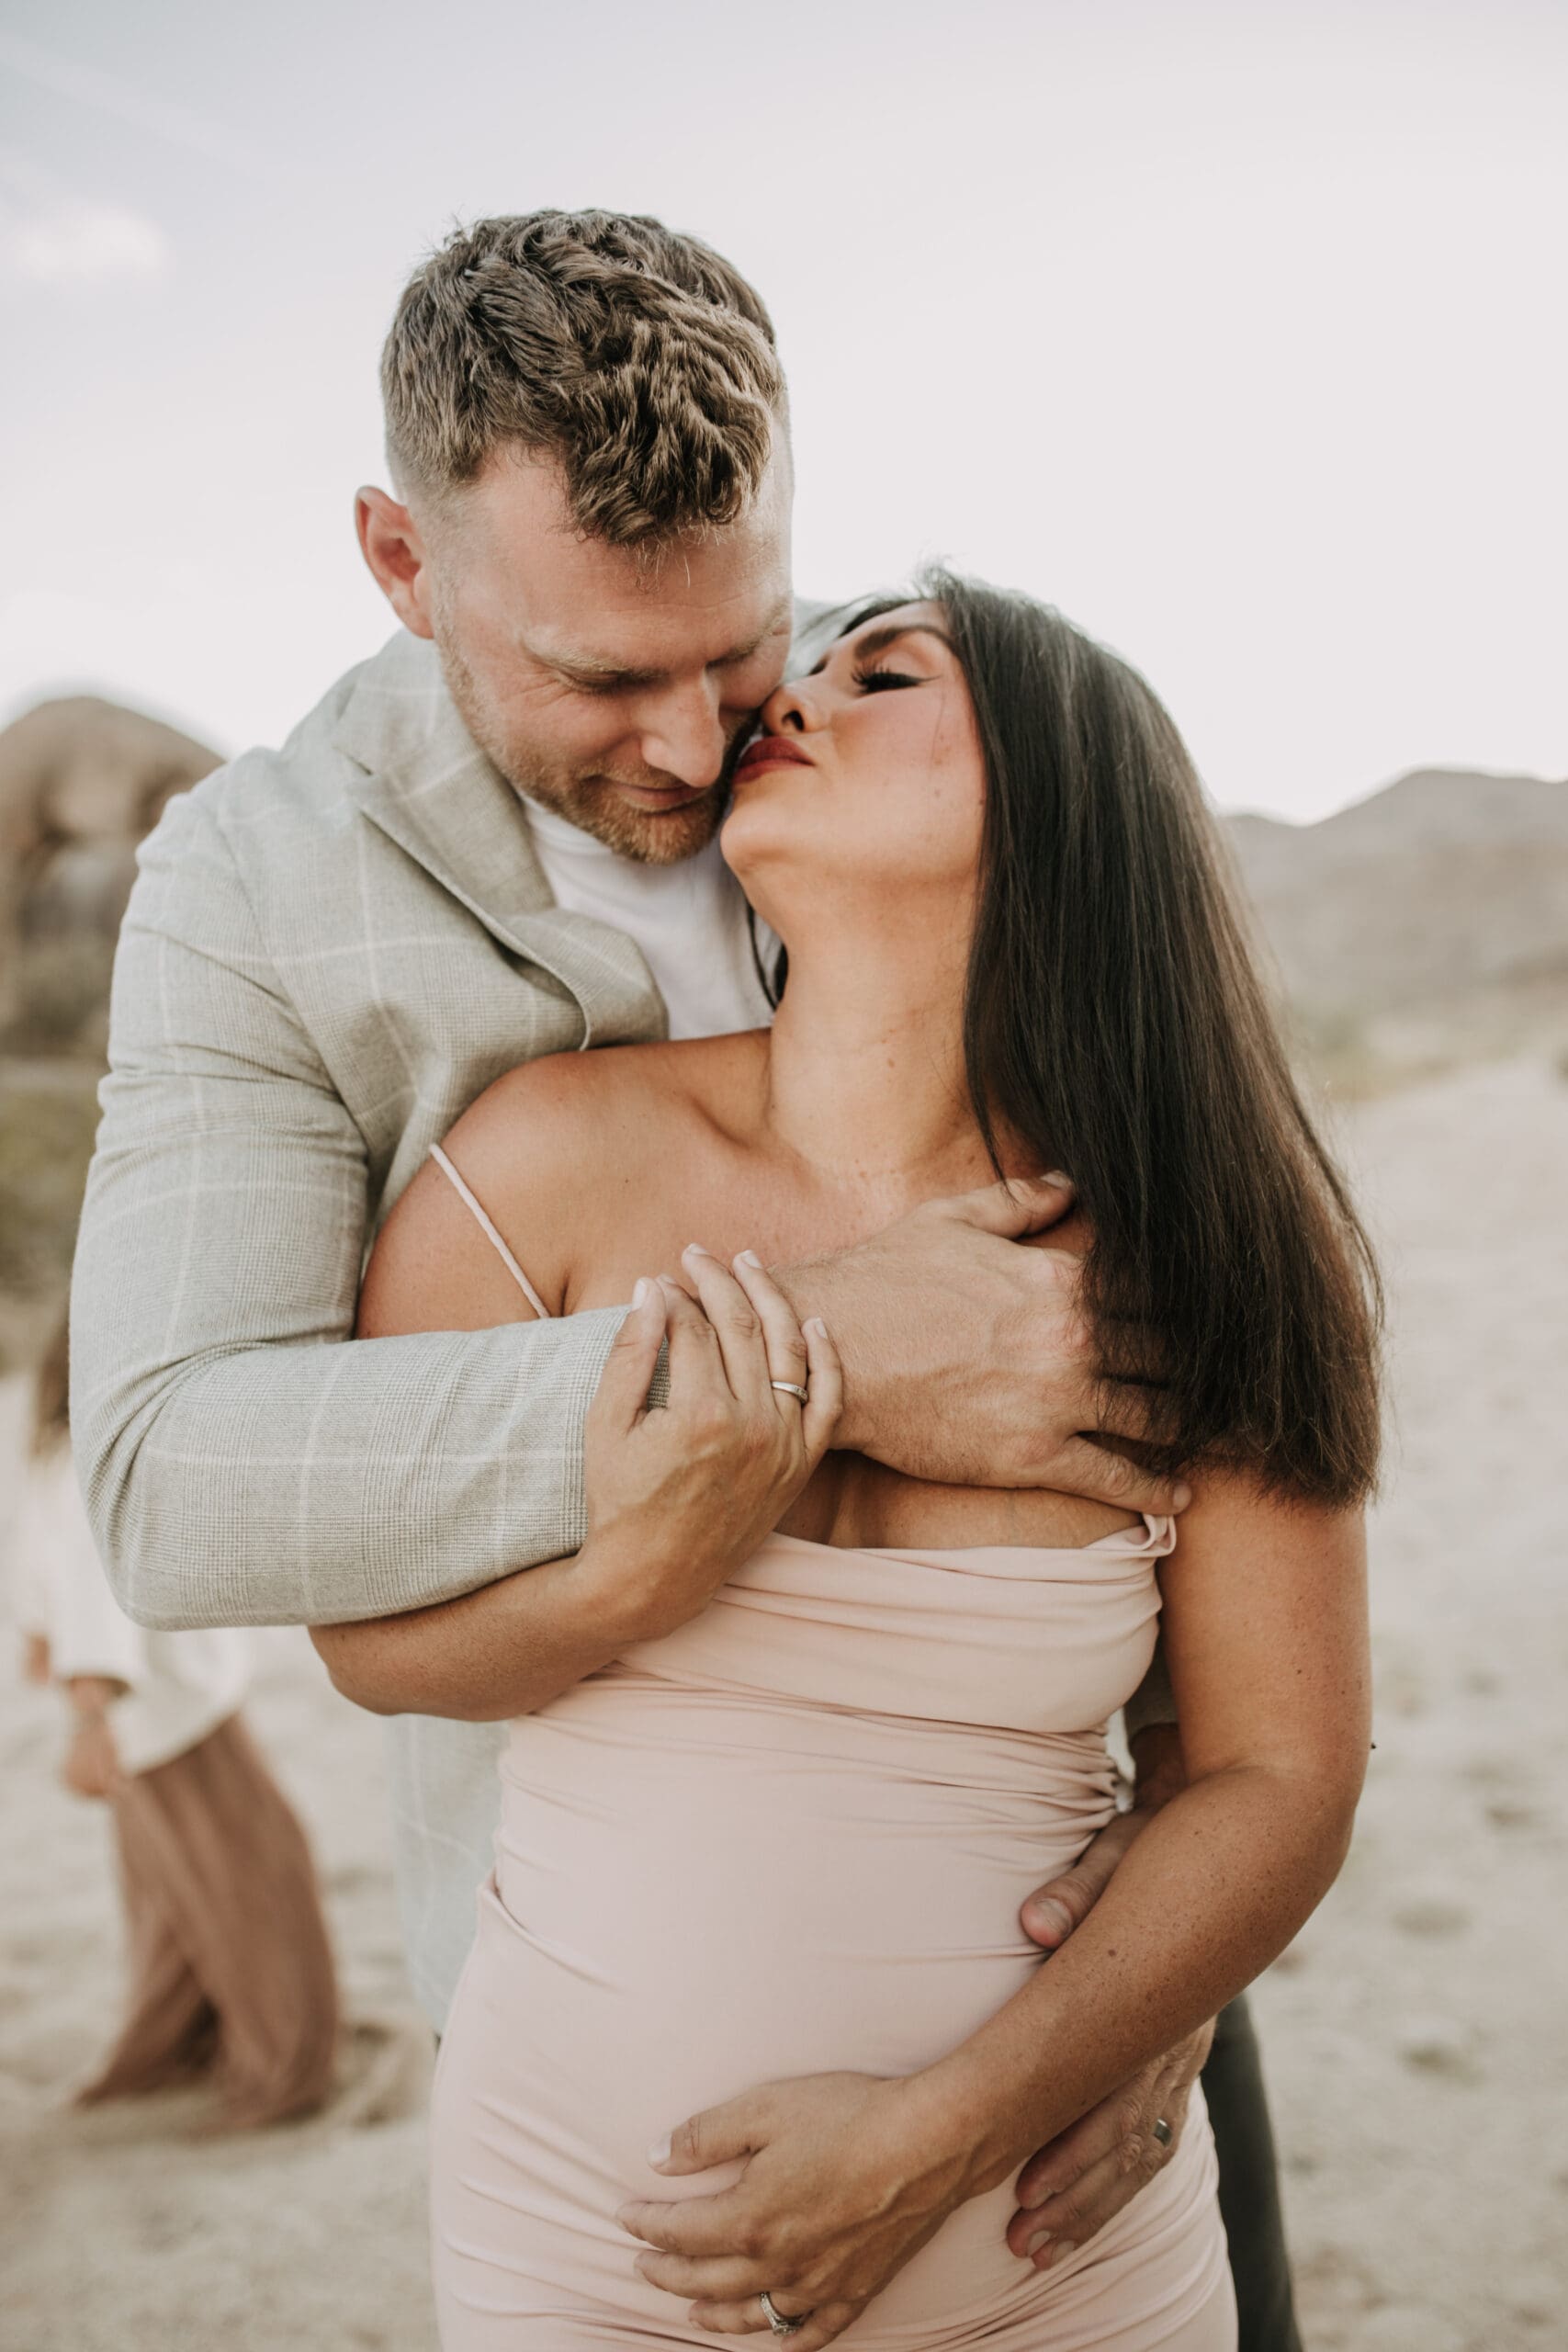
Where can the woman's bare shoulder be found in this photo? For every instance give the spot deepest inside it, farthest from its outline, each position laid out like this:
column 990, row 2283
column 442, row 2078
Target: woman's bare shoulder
column 552, row 1108
column 549, row 1151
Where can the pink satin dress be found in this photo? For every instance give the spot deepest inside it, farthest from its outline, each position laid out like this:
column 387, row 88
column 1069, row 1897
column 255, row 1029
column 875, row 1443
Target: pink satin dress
column 792, row 1837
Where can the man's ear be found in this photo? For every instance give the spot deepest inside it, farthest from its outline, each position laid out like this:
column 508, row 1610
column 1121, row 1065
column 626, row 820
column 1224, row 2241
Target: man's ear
column 390, row 543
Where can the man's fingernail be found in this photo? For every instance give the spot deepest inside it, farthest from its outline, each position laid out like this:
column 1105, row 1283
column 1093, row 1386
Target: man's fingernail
column 750, row 1258
column 1041, row 2237
column 1051, row 1915
column 660, row 2152
column 817, row 1328
column 1058, row 2253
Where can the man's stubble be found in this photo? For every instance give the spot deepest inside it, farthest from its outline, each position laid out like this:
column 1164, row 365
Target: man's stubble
column 649, row 837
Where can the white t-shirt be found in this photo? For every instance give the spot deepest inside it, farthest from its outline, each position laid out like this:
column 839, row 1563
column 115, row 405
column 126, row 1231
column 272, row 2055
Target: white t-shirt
column 690, row 921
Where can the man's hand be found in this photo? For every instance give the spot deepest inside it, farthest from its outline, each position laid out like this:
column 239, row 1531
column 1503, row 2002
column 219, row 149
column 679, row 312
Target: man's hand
column 968, row 1359
column 1072, row 2186
column 833, row 2202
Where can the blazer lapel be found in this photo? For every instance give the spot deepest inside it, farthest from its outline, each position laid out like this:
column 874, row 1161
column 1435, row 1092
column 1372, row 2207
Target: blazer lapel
column 418, row 775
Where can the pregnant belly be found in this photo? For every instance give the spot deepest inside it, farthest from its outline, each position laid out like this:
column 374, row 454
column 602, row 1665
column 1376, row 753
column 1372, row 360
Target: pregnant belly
column 706, row 1891
column 697, row 1894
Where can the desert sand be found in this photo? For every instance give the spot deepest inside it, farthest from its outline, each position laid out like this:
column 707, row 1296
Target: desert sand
column 1417, row 2034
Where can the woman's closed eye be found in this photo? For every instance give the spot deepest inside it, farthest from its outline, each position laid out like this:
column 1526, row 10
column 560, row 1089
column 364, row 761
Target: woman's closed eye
column 871, row 682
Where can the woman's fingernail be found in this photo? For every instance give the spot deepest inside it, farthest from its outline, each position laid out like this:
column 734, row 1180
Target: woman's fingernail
column 660, row 2152
column 1041, row 2237
column 640, row 1291
column 817, row 1328
column 695, row 1250
column 1180, row 1497
column 1056, row 1176
column 750, row 1258
column 1058, row 2253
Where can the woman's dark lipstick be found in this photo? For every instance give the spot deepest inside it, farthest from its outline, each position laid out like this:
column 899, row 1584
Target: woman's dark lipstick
column 771, row 750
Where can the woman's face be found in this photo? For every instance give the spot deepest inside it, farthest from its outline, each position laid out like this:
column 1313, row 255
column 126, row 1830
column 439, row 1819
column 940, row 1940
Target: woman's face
column 867, row 776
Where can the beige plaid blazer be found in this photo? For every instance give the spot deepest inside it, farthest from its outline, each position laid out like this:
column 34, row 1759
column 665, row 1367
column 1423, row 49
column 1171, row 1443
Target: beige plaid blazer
column 331, row 950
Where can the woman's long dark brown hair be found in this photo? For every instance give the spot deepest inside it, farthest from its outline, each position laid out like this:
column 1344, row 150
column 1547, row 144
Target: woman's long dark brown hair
column 1114, row 1026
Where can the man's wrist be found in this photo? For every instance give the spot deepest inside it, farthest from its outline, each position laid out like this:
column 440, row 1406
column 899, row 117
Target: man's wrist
column 816, row 1287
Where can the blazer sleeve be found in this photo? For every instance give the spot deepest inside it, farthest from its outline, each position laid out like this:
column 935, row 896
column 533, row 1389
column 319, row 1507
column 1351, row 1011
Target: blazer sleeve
column 243, row 1462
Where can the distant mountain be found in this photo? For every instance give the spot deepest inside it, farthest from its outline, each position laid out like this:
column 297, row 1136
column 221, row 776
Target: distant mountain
column 1437, row 911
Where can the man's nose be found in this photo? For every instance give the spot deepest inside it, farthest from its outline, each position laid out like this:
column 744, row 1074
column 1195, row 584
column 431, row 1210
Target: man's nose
column 684, row 736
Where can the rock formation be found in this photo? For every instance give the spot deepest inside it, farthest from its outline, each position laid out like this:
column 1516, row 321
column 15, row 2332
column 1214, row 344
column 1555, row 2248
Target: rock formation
column 82, row 782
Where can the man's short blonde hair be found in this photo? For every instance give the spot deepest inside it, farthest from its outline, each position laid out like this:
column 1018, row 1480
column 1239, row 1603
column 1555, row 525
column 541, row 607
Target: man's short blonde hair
column 635, row 356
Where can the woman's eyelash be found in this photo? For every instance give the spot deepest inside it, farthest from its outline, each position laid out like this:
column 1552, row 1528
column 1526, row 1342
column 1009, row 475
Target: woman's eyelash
column 870, row 681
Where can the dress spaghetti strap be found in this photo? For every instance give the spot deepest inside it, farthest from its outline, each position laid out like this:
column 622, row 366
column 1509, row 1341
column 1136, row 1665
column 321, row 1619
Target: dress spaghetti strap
column 486, row 1226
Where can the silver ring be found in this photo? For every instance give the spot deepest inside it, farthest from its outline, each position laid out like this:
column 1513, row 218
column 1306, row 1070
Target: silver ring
column 774, row 2317
column 791, row 1388
column 1162, row 2132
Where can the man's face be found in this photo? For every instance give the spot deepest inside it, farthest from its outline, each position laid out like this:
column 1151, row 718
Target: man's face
column 614, row 687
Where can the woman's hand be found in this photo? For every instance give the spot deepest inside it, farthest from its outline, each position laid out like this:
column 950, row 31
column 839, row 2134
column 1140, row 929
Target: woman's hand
column 677, row 1497
column 90, row 1766
column 841, row 2186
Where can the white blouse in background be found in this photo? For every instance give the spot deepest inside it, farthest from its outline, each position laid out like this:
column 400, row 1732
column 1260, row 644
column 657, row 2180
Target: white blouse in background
column 179, row 1687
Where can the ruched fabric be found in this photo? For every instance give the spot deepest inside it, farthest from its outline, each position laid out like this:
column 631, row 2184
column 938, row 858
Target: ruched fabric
column 792, row 1837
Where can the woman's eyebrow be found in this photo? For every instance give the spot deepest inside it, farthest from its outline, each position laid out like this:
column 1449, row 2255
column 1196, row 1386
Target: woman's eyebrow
column 877, row 640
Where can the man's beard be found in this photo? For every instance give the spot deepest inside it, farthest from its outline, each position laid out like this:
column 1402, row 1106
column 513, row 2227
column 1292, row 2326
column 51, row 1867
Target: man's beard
column 650, row 836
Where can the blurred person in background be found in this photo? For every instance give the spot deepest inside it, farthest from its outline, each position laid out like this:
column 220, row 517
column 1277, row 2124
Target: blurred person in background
column 231, row 1974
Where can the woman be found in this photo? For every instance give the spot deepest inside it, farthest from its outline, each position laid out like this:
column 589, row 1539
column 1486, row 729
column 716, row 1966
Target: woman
column 231, row 1974
column 792, row 1735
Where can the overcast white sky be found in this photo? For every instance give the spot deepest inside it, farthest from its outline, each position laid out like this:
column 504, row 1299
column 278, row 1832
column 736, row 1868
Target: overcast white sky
column 1239, row 332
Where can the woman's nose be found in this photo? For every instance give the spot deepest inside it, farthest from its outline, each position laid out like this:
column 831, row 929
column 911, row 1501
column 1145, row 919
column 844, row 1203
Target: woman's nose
column 793, row 709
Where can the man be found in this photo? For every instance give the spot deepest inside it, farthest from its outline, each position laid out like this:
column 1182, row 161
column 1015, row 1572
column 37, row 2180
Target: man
column 494, row 841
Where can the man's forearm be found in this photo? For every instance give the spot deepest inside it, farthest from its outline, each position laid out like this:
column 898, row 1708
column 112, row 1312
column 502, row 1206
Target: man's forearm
column 243, row 1463
column 311, row 1484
